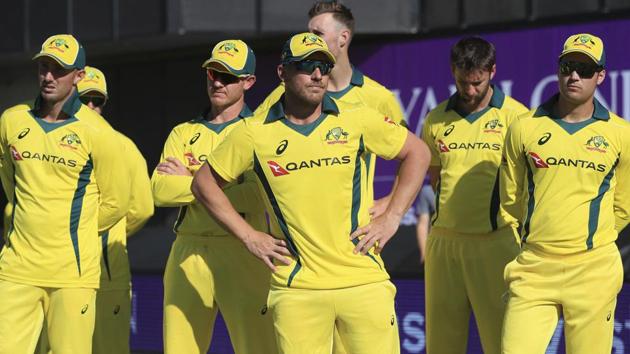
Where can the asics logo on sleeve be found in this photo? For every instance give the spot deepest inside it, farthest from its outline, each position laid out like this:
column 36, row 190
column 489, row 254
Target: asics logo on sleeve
column 24, row 132
column 283, row 146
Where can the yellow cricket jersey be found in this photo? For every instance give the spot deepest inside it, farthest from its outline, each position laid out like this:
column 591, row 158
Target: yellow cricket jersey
column 468, row 149
column 115, row 273
column 362, row 91
column 314, row 178
column 62, row 181
column 191, row 143
column 567, row 182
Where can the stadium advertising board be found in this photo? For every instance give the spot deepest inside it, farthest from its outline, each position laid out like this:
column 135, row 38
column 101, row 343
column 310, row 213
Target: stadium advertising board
column 419, row 71
column 146, row 323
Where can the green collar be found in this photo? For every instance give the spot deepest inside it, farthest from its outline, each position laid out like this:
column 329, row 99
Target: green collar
column 70, row 107
column 217, row 128
column 355, row 80
column 496, row 101
column 546, row 109
column 357, row 77
column 276, row 111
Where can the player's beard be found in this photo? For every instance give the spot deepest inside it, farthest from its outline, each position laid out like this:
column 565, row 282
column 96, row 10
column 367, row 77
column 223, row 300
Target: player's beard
column 475, row 100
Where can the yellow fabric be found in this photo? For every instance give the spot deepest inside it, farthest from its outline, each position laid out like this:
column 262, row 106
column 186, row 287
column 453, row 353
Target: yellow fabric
column 362, row 91
column 94, row 80
column 304, row 44
column 314, row 180
column 141, row 198
column 82, row 161
column 191, row 143
column 112, row 325
column 569, row 191
column 234, row 55
column 68, row 314
column 115, row 273
column 581, row 287
column 468, row 150
column 63, row 48
column 464, row 274
column 205, row 274
column 585, row 43
column 364, row 315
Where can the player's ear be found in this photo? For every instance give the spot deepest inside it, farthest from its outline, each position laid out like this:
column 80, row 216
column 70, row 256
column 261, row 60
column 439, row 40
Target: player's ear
column 79, row 76
column 344, row 38
column 281, row 72
column 249, row 82
column 601, row 76
column 493, row 71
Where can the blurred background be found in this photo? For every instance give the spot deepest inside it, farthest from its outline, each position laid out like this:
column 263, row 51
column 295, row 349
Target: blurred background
column 151, row 52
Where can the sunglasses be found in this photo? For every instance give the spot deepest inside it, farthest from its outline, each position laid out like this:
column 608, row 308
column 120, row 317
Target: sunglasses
column 308, row 66
column 584, row 70
column 97, row 101
column 222, row 77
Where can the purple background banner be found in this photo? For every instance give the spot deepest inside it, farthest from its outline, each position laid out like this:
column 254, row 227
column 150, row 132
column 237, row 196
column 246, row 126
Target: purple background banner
column 146, row 323
column 419, row 71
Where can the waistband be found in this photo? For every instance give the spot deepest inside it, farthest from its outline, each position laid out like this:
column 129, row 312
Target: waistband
column 600, row 251
column 449, row 233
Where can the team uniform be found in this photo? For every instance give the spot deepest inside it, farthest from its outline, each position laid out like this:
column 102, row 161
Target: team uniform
column 61, row 179
column 313, row 178
column 113, row 298
column 362, row 91
column 208, row 269
column 567, row 183
column 472, row 238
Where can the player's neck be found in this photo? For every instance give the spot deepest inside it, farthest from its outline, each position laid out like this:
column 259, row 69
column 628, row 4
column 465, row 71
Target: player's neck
column 52, row 111
column 468, row 108
column 572, row 112
column 218, row 115
column 341, row 74
column 299, row 111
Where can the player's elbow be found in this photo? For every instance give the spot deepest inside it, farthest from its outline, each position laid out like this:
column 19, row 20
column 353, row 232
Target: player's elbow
column 417, row 151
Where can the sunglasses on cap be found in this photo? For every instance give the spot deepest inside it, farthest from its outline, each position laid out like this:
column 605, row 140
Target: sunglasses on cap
column 222, row 77
column 584, row 70
column 97, row 101
column 308, row 66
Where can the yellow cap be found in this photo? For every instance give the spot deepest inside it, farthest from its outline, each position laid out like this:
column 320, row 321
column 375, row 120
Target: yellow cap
column 232, row 56
column 587, row 44
column 94, row 80
column 302, row 45
column 65, row 49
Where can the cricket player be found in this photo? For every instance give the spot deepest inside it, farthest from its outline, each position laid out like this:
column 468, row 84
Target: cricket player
column 113, row 298
column 209, row 270
column 61, row 174
column 471, row 239
column 323, row 248
column 565, row 177
column 334, row 23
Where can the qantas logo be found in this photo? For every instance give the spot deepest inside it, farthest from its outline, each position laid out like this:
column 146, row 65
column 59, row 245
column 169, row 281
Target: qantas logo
column 467, row 146
column 192, row 161
column 538, row 161
column 442, row 146
column 568, row 162
column 390, row 121
column 28, row 155
column 276, row 169
column 16, row 155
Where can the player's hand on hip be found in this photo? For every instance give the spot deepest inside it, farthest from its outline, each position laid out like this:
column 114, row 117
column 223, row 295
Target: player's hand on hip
column 172, row 166
column 376, row 234
column 268, row 248
column 379, row 207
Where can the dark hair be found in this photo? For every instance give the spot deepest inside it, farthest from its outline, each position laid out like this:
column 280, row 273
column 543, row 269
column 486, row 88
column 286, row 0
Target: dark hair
column 340, row 13
column 473, row 53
